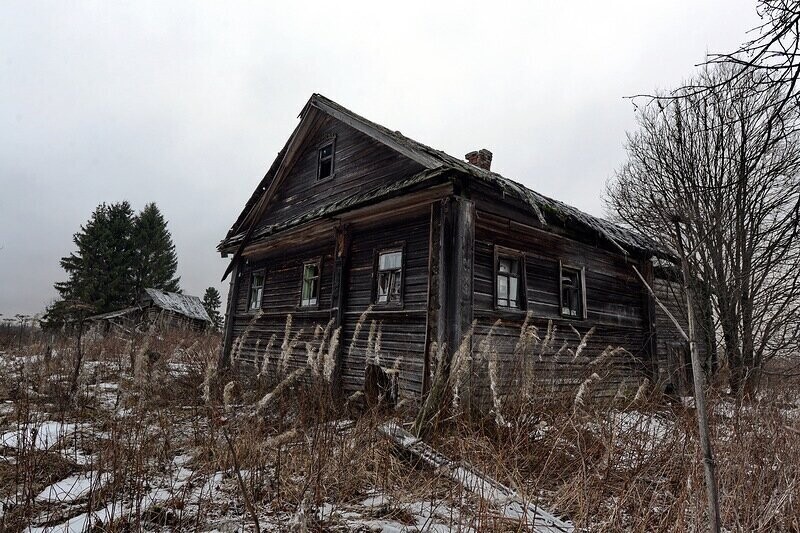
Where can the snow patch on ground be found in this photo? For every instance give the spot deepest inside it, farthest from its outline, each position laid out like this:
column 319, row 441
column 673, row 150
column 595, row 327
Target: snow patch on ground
column 74, row 487
column 41, row 436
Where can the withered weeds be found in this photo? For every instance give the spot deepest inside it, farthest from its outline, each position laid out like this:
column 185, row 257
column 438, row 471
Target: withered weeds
column 180, row 446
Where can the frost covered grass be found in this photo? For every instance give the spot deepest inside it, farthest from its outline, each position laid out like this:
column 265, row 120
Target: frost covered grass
column 155, row 440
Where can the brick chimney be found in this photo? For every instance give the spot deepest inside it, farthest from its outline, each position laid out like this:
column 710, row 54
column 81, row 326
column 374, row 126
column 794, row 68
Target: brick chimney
column 480, row 158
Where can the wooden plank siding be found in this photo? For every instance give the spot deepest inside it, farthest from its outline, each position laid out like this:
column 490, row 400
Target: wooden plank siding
column 281, row 297
column 360, row 164
column 616, row 307
column 674, row 362
column 402, row 327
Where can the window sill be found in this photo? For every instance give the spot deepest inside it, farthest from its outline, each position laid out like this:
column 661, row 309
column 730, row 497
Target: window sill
column 327, row 178
column 509, row 312
column 389, row 305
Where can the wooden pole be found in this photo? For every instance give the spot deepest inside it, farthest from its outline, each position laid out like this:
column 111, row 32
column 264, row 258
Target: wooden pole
column 230, row 316
column 699, row 396
column 697, row 373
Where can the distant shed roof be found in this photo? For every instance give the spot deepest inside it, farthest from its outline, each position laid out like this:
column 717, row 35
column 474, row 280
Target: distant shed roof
column 184, row 304
column 113, row 314
column 546, row 210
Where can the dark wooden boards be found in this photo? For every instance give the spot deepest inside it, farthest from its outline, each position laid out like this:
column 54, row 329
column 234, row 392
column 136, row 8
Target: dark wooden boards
column 361, row 163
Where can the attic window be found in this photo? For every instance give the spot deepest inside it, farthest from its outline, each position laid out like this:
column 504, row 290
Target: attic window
column 573, row 297
column 256, row 291
column 325, row 161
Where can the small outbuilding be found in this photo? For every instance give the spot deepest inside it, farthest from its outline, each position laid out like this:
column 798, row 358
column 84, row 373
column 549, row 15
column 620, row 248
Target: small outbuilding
column 154, row 307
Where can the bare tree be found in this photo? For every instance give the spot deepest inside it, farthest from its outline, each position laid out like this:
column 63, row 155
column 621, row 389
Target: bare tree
column 727, row 164
column 773, row 52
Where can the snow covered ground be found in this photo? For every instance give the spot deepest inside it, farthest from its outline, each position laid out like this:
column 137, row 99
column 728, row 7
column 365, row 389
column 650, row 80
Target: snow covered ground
column 116, row 460
column 140, row 449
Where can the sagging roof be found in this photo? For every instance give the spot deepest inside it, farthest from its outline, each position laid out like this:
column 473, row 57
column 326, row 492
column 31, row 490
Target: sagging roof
column 546, row 210
column 114, row 314
column 189, row 306
column 342, row 205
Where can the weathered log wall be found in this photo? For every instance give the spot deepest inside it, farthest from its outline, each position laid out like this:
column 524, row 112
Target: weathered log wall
column 282, row 283
column 360, row 164
column 398, row 334
column 402, row 328
column 616, row 307
column 674, row 361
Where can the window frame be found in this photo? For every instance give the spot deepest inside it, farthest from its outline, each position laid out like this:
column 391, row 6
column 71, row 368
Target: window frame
column 318, row 262
column 581, row 271
column 501, row 252
column 321, row 146
column 397, row 247
column 253, row 273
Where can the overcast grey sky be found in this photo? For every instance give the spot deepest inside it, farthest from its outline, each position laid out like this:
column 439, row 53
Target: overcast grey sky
column 187, row 103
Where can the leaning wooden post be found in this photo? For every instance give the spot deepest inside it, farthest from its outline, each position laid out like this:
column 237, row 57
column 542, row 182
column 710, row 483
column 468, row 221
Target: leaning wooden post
column 699, row 395
column 343, row 238
column 452, row 305
column 223, row 361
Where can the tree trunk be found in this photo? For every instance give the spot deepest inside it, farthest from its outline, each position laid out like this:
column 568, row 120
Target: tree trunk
column 730, row 336
column 76, row 372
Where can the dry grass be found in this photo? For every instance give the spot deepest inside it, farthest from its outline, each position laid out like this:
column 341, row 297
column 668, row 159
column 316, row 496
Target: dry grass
column 630, row 463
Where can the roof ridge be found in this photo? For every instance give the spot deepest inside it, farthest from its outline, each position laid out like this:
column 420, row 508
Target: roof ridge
column 537, row 202
column 540, row 205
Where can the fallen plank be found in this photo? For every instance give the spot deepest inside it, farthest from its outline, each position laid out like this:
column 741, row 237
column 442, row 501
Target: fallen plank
column 510, row 503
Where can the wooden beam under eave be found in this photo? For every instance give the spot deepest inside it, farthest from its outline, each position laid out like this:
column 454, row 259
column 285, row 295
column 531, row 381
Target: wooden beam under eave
column 397, row 207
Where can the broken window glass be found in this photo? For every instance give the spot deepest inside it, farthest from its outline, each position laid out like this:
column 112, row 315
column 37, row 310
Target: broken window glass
column 390, row 273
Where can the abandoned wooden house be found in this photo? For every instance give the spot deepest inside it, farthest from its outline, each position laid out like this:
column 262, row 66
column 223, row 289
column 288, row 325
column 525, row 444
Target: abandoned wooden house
column 154, row 307
column 355, row 221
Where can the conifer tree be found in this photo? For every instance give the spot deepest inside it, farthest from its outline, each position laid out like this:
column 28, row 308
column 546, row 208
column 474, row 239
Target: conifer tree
column 212, row 302
column 100, row 270
column 118, row 255
column 156, row 261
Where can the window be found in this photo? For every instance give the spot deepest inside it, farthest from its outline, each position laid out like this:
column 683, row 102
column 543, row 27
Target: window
column 572, row 297
column 508, row 282
column 390, row 277
column 256, row 291
column 309, row 294
column 325, row 161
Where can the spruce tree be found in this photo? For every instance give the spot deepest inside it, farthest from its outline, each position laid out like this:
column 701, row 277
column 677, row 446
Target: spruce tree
column 156, row 261
column 212, row 302
column 100, row 272
column 118, row 254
